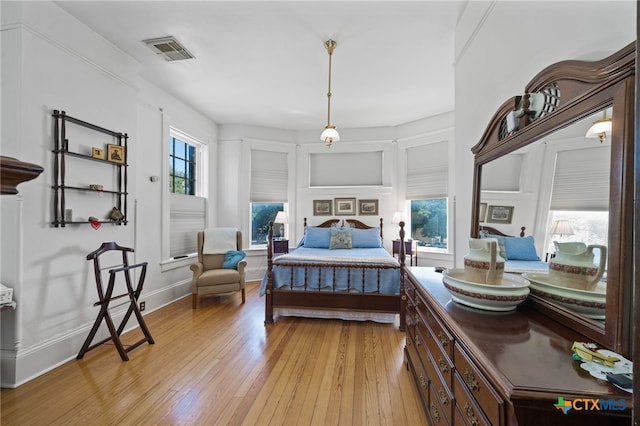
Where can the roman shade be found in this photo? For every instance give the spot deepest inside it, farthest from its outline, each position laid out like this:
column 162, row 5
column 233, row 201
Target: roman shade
column 187, row 216
column 581, row 179
column 269, row 176
column 428, row 171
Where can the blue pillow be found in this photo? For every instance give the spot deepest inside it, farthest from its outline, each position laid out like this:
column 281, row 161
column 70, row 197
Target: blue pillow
column 317, row 237
column 366, row 238
column 518, row 248
column 232, row 258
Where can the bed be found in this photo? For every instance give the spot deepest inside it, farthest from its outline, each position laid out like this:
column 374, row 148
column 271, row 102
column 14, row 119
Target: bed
column 325, row 278
column 519, row 252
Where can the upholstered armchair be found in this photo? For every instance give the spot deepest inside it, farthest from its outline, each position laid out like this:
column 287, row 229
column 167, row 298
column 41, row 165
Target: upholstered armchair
column 209, row 277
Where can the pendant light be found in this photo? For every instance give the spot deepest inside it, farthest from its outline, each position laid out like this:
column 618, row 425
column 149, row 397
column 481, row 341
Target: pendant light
column 329, row 134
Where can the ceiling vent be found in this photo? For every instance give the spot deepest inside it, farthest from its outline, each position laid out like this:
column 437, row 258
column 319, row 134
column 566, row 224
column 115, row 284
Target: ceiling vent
column 169, row 48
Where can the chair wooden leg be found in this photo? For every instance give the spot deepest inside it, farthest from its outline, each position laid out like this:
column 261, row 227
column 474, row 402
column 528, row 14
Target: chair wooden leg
column 194, row 301
column 243, row 295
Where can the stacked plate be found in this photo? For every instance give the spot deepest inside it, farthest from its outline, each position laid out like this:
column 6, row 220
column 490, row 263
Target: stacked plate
column 506, row 296
column 588, row 303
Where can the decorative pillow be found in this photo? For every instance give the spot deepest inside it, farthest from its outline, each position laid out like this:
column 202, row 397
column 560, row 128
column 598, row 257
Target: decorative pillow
column 317, row 237
column 518, row 248
column 232, row 258
column 340, row 239
column 366, row 238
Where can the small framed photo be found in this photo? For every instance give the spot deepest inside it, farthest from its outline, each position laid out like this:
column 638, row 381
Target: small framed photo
column 115, row 153
column 322, row 207
column 97, row 153
column 368, row 207
column 345, row 206
column 499, row 214
column 482, row 215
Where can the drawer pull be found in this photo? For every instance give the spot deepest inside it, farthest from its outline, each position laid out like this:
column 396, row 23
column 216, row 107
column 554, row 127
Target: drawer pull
column 444, row 367
column 434, row 412
column 415, row 317
column 471, row 417
column 471, row 380
column 444, row 341
column 423, row 382
column 443, row 397
column 417, row 340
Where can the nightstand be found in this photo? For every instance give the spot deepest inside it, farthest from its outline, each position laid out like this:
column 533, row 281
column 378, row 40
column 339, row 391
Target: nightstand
column 409, row 250
column 280, row 246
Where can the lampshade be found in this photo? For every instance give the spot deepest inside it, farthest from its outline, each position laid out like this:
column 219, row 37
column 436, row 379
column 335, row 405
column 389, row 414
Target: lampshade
column 281, row 217
column 561, row 227
column 600, row 128
column 330, row 135
column 397, row 217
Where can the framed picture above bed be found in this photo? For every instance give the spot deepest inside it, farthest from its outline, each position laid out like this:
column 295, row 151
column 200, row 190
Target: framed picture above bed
column 499, row 214
column 345, row 206
column 322, row 207
column 368, row 207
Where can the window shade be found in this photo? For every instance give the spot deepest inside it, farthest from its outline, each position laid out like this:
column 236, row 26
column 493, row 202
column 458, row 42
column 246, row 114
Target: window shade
column 581, row 180
column 346, row 169
column 269, row 176
column 428, row 171
column 187, row 216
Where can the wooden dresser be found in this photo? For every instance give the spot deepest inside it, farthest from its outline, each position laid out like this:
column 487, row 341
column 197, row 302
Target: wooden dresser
column 473, row 367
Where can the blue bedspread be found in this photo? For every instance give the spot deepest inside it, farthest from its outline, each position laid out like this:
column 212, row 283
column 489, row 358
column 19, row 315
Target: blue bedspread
column 338, row 279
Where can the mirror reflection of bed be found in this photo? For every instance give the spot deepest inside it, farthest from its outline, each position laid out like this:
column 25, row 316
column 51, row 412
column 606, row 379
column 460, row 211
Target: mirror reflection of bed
column 562, row 177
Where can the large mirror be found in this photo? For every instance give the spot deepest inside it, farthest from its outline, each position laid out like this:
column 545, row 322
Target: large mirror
column 537, row 167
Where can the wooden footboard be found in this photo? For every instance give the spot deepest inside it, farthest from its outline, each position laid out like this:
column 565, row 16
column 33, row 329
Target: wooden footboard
column 333, row 299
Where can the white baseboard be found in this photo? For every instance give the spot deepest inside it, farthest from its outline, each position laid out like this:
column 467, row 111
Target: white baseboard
column 18, row 367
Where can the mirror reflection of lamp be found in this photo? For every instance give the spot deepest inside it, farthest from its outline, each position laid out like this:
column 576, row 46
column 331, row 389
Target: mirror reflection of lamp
column 601, row 128
column 561, row 227
column 282, row 219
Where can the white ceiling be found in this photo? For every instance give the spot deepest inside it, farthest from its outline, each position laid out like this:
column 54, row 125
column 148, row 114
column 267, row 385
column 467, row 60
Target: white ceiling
column 264, row 63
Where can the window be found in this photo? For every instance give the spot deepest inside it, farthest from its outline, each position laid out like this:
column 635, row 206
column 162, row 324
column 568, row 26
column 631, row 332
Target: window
column 429, row 222
column 269, row 187
column 590, row 227
column 187, row 187
column 261, row 215
column 182, row 167
column 427, row 195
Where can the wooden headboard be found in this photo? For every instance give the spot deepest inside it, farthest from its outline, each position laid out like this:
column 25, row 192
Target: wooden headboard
column 494, row 231
column 353, row 223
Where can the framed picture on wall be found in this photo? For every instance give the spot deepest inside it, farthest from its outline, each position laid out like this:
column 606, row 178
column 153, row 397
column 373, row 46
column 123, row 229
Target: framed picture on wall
column 115, row 153
column 499, row 214
column 368, row 207
column 482, row 215
column 322, row 207
column 345, row 206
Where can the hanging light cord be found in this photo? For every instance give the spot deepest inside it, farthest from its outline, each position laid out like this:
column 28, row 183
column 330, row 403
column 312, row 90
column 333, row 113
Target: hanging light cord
column 330, row 45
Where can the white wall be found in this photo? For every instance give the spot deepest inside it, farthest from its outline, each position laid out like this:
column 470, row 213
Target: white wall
column 500, row 46
column 51, row 61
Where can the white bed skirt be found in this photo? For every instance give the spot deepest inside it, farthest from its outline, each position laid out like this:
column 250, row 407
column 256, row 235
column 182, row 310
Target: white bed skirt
column 337, row 314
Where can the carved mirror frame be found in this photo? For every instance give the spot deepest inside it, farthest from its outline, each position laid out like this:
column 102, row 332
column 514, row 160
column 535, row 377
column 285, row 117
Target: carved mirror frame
column 572, row 91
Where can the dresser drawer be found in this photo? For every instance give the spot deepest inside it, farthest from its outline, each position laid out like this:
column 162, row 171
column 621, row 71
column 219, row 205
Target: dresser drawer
column 440, row 391
column 477, row 385
column 469, row 411
column 441, row 360
column 418, row 372
column 436, row 412
column 440, row 334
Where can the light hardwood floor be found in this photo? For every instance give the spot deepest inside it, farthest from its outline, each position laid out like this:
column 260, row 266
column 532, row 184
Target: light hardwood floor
column 221, row 365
